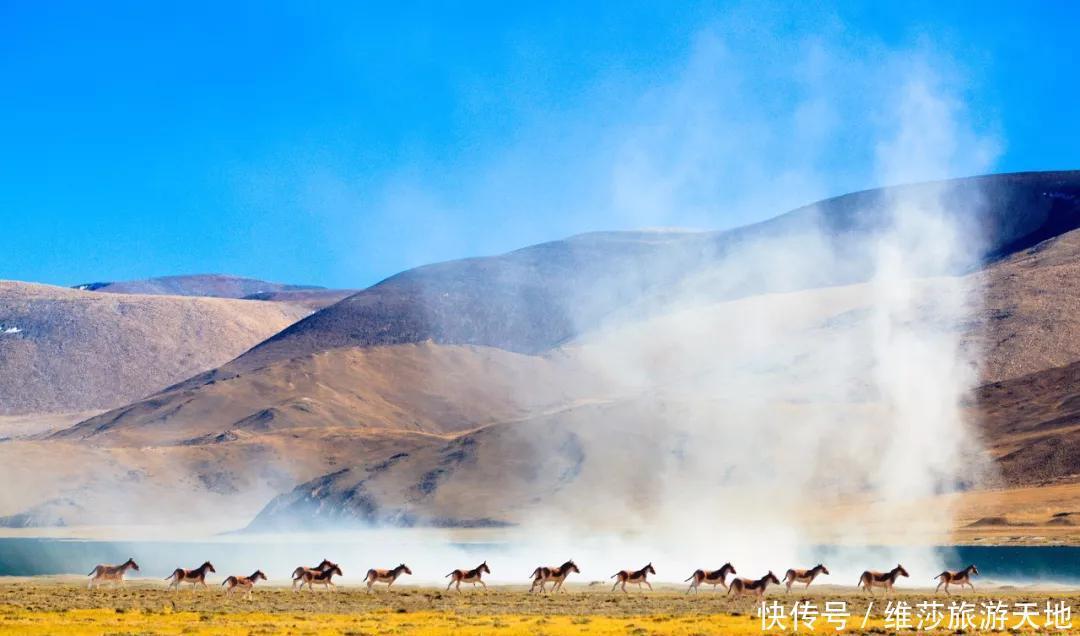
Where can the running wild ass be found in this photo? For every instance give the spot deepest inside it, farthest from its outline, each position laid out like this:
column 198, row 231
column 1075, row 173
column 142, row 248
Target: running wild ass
column 804, row 576
column 110, row 573
column 457, row 577
column 542, row 575
column 961, row 578
column 386, row 576
column 246, row 583
column 871, row 579
column 196, row 577
column 739, row 587
column 713, row 578
column 637, row 577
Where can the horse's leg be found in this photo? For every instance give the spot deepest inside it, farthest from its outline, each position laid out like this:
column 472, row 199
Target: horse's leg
column 649, row 584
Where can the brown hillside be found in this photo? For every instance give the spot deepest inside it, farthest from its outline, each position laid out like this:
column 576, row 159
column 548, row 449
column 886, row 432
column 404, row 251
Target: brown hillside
column 65, row 350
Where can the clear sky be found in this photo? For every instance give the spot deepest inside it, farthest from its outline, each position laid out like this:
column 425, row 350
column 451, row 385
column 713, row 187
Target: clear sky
column 338, row 144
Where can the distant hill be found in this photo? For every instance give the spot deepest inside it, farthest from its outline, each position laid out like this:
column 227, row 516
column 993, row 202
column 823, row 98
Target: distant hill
column 69, row 350
column 210, row 285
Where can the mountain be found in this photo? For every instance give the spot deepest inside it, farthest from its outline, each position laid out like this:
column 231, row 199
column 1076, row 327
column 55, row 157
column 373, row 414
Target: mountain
column 457, row 389
column 535, row 298
column 64, row 350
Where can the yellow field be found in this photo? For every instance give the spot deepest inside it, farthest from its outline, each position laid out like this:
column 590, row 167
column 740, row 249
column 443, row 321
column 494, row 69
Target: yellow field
column 51, row 607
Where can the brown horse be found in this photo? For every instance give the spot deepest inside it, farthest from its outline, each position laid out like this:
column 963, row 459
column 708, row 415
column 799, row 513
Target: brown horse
column 196, row 577
column 457, row 577
column 110, row 573
column 637, row 577
column 247, row 583
column 804, row 576
column 322, row 577
column 298, row 573
column 871, row 579
column 386, row 576
column 961, row 578
column 543, row 574
column 739, row 587
column 713, row 578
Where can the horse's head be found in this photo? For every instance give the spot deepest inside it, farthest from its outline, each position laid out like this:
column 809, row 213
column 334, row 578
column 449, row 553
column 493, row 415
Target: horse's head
column 570, row 566
column 326, row 565
column 133, row 564
column 334, row 569
column 209, row 567
column 974, row 570
column 404, row 568
column 822, row 569
column 484, row 568
column 771, row 578
column 649, row 568
column 900, row 570
column 729, row 567
column 258, row 575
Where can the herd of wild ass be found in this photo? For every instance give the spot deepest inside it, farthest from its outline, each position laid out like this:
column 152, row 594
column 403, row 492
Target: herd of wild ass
column 323, row 574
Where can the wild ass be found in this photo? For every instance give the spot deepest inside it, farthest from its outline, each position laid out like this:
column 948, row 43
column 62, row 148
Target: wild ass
column 713, row 578
column 622, row 577
column 961, row 578
column 298, row 573
column 804, row 576
column 322, row 577
column 457, row 577
column 543, row 574
column 739, row 587
column 110, row 573
column 247, row 583
column 386, row 576
column 871, row 579
column 196, row 577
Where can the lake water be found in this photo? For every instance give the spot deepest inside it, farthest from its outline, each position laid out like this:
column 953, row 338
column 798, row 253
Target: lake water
column 33, row 556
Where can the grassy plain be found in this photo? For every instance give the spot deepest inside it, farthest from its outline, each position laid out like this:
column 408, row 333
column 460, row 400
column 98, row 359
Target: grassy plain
column 62, row 606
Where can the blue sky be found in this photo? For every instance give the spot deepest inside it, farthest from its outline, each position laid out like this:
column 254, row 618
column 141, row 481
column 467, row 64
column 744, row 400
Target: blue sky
column 339, row 144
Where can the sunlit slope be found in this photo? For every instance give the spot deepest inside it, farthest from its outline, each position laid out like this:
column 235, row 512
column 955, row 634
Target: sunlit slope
column 65, row 350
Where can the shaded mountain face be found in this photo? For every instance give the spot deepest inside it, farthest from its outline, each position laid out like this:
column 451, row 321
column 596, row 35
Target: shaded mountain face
column 536, row 298
column 68, row 350
column 211, row 285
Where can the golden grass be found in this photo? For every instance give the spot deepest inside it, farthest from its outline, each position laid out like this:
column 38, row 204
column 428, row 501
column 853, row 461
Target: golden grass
column 36, row 608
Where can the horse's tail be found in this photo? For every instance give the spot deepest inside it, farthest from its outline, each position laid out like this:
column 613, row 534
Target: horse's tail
column 451, row 574
column 92, row 572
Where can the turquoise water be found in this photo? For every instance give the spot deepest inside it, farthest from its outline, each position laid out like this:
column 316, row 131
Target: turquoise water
column 29, row 556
